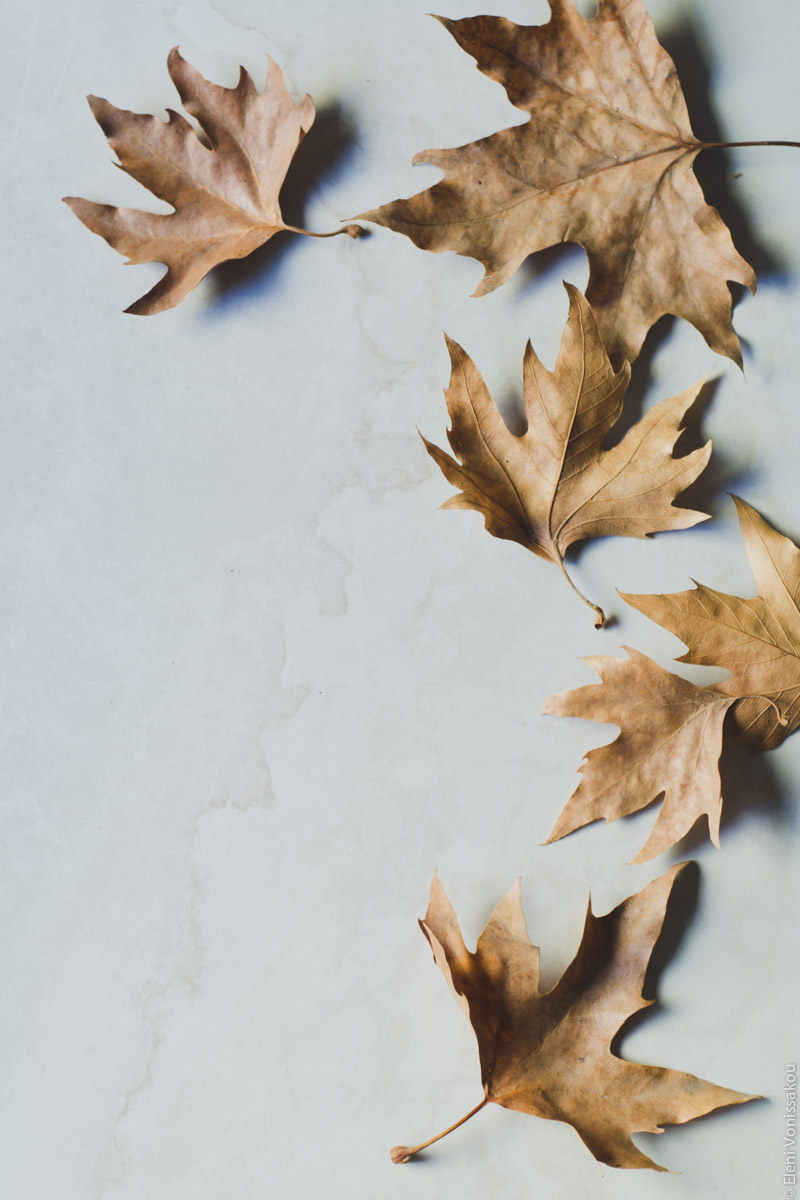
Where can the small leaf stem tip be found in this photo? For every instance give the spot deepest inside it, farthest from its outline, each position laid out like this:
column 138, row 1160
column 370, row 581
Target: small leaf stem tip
column 782, row 720
column 402, row 1154
column 599, row 615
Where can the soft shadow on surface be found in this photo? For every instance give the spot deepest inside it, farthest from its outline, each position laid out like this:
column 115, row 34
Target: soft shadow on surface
column 709, row 492
column 324, row 153
column 642, row 378
column 549, row 265
column 692, row 59
column 749, row 786
column 681, row 908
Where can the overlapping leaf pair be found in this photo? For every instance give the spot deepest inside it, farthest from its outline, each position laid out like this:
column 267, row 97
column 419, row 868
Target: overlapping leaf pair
column 671, row 730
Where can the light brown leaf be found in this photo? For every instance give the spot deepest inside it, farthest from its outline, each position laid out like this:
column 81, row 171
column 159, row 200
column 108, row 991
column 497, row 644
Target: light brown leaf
column 554, row 485
column 757, row 640
column 670, row 742
column 605, row 161
column 225, row 197
column 549, row 1053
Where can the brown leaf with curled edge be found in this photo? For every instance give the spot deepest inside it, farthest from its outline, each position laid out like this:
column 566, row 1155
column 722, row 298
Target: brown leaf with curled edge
column 555, row 485
column 549, row 1053
column 757, row 640
column 225, row 197
column 670, row 742
column 605, row 161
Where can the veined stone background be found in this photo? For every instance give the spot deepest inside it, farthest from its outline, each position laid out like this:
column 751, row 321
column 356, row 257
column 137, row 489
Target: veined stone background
column 258, row 688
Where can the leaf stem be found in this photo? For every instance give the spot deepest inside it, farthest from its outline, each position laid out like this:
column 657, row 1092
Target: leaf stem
column 401, row 1154
column 784, row 721
column 352, row 231
column 735, row 145
column 600, row 616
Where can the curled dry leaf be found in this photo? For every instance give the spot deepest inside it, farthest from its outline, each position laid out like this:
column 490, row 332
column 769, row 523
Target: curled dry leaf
column 670, row 742
column 225, row 195
column 554, row 485
column 757, row 640
column 549, row 1053
column 605, row 161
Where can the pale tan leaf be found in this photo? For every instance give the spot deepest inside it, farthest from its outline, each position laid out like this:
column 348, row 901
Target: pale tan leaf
column 225, row 196
column 757, row 640
column 670, row 742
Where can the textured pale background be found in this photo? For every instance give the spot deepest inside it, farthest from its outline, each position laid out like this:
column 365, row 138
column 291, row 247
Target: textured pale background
column 258, row 688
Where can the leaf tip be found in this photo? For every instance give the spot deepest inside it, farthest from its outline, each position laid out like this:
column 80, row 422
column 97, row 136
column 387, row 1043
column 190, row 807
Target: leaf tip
column 140, row 307
column 175, row 61
column 436, row 890
column 555, row 834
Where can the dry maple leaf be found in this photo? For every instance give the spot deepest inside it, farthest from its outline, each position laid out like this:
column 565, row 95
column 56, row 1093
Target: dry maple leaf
column 554, row 485
column 605, row 161
column 670, row 741
column 549, row 1053
column 757, row 640
column 225, row 196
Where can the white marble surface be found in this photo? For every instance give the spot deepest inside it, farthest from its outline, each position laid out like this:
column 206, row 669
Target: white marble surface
column 259, row 688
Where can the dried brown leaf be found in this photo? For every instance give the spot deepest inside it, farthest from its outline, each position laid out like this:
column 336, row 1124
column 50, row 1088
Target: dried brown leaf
column 605, row 161
column 549, row 1053
column 757, row 640
column 554, row 485
column 225, row 196
column 670, row 742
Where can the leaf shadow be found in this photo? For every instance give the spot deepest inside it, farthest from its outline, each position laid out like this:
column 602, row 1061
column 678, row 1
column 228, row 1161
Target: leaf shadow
column 709, row 492
column 680, row 912
column 690, row 52
column 744, row 774
column 554, row 262
column 641, row 379
column 324, row 153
